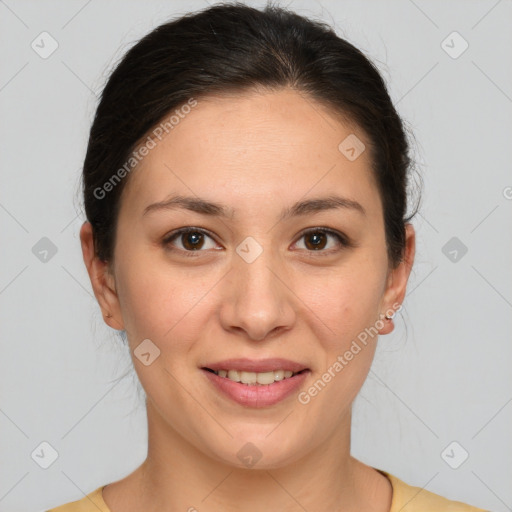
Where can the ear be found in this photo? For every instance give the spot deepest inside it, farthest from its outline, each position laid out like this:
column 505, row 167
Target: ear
column 397, row 281
column 102, row 280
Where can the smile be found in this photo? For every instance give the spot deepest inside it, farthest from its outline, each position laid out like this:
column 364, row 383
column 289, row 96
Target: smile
column 255, row 378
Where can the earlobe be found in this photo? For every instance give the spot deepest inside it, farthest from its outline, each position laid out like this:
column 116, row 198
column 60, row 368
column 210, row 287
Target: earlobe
column 386, row 324
column 102, row 280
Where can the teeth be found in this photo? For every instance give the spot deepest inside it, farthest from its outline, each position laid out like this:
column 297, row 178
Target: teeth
column 265, row 378
column 233, row 375
column 251, row 378
column 279, row 375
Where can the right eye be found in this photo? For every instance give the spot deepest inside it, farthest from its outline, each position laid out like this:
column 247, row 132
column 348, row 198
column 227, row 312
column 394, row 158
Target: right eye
column 191, row 240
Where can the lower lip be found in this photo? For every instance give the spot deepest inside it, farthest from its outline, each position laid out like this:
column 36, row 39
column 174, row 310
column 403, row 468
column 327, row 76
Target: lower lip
column 257, row 395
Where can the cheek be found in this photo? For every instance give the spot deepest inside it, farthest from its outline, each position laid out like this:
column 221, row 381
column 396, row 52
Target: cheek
column 166, row 303
column 163, row 303
column 345, row 303
column 344, row 309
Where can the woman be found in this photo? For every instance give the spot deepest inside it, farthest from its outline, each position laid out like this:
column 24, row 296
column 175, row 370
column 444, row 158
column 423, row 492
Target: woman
column 245, row 187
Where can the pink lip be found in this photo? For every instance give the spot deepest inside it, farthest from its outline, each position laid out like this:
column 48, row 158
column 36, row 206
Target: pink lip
column 258, row 366
column 256, row 395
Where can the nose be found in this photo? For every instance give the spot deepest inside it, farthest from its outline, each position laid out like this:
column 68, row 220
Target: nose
column 258, row 299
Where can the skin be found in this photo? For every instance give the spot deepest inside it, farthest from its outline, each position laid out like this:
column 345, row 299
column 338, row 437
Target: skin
column 257, row 153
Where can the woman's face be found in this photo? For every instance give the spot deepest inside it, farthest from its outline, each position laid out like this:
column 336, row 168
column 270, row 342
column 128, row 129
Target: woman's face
column 250, row 284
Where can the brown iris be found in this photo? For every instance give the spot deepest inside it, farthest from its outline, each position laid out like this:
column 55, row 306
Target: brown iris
column 318, row 240
column 193, row 240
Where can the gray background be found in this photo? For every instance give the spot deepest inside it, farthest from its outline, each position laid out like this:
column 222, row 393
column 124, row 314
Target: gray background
column 442, row 376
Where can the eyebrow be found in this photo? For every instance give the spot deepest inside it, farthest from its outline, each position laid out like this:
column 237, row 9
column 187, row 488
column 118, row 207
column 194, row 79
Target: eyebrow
column 205, row 207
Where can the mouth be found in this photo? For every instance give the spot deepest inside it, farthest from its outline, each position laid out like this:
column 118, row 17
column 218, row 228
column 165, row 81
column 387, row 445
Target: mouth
column 256, row 383
column 255, row 378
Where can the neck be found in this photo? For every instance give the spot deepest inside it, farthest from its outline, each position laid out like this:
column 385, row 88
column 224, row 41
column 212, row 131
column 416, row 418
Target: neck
column 178, row 476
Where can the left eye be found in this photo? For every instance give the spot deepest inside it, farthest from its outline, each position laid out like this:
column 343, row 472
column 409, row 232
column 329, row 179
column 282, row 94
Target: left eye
column 317, row 239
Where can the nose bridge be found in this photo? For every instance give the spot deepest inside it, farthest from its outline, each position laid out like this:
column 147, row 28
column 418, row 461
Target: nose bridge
column 260, row 302
column 255, row 274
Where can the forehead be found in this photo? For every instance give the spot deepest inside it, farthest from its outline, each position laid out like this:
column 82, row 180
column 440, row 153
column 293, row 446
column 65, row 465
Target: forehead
column 253, row 146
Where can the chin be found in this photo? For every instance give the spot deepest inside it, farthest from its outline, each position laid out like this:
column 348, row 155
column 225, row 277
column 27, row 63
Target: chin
column 258, row 449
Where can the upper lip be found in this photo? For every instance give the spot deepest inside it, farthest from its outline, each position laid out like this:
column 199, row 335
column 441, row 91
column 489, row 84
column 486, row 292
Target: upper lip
column 256, row 365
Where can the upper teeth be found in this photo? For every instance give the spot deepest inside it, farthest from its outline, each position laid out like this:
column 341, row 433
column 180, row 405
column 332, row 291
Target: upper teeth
column 255, row 378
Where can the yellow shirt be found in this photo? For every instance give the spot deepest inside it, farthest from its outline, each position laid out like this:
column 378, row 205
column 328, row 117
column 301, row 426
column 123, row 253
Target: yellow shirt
column 405, row 499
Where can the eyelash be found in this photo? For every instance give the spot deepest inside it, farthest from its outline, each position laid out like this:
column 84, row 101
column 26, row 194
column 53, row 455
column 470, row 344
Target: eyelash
column 342, row 239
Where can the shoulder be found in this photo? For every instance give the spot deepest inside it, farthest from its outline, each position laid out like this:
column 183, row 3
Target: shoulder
column 407, row 498
column 92, row 502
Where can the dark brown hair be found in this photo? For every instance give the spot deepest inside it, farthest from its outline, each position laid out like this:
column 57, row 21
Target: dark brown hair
column 234, row 47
